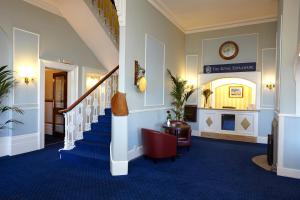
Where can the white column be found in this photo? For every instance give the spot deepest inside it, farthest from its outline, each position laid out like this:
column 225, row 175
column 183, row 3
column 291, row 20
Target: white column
column 119, row 140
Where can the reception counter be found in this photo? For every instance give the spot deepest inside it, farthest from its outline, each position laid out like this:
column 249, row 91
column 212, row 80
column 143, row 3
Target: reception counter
column 229, row 121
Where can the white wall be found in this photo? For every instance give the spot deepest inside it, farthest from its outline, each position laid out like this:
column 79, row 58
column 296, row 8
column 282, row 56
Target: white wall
column 142, row 19
column 45, row 36
column 257, row 44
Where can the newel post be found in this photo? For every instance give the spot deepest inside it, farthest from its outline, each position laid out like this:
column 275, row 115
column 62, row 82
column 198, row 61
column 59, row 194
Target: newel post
column 119, row 140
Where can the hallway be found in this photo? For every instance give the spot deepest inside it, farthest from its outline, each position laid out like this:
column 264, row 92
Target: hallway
column 211, row 170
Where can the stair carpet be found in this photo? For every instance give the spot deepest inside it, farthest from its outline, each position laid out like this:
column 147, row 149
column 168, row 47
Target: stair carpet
column 94, row 147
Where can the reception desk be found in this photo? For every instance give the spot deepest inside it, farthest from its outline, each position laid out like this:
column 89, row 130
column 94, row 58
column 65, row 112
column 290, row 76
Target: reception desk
column 229, row 121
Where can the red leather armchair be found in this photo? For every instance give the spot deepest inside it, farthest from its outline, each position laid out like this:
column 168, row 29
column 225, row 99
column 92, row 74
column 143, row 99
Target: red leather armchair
column 159, row 145
column 184, row 135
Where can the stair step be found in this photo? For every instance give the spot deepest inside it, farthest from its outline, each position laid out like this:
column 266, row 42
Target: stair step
column 92, row 137
column 107, row 111
column 91, row 145
column 84, row 156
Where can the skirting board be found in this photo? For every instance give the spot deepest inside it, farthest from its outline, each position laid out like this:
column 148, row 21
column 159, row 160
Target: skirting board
column 24, row 143
column 4, row 146
column 287, row 172
column 118, row 168
column 196, row 133
column 135, row 153
column 240, row 138
column 262, row 140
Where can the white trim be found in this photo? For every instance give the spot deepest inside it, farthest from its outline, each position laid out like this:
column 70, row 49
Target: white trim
column 24, row 143
column 267, row 107
column 13, row 65
column 164, row 69
column 262, row 140
column 280, row 137
column 196, row 133
column 288, row 172
column 118, row 168
column 262, row 76
column 235, row 35
column 121, row 11
column 166, row 12
column 186, row 78
column 232, row 24
column 288, row 115
column 135, row 153
column 73, row 94
column 149, row 110
column 4, row 146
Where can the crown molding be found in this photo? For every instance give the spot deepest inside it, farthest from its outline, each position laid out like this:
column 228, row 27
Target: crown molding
column 232, row 24
column 166, row 12
column 162, row 8
column 45, row 5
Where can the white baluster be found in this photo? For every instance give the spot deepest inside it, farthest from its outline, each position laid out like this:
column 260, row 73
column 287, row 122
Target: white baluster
column 95, row 106
column 79, row 122
column 102, row 98
column 88, row 111
column 108, row 93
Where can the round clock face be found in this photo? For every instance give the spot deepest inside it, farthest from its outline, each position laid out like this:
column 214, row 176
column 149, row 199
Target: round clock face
column 228, row 50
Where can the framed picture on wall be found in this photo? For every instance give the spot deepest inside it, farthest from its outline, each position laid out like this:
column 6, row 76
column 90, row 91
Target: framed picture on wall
column 236, row 92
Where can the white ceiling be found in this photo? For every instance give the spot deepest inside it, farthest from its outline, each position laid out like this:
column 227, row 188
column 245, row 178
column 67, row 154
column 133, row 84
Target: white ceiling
column 201, row 15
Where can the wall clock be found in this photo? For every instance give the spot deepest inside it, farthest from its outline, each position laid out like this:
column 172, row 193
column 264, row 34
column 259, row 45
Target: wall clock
column 228, row 50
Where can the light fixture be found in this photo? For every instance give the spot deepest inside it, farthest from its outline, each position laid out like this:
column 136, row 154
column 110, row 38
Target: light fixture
column 270, row 86
column 27, row 73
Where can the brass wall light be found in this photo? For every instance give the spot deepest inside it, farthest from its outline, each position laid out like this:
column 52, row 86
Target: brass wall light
column 270, row 86
column 27, row 74
column 139, row 77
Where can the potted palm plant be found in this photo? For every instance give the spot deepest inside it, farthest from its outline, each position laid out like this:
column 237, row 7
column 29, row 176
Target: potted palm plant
column 180, row 94
column 6, row 83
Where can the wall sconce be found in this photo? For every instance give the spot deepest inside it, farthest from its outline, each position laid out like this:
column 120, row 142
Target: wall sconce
column 139, row 77
column 26, row 73
column 91, row 81
column 270, row 86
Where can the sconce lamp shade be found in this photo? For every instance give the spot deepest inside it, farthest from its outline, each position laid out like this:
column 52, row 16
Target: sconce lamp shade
column 142, row 84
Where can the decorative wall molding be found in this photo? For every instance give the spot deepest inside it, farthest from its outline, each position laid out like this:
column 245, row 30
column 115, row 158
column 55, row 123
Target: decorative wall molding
column 232, row 24
column 149, row 110
column 121, row 11
column 171, row 17
column 24, row 143
column 135, row 153
column 166, row 12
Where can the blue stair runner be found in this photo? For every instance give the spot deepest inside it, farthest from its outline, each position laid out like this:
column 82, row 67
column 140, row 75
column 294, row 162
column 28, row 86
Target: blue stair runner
column 94, row 147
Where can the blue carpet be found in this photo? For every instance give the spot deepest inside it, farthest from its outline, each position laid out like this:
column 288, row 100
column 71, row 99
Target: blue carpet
column 94, row 147
column 210, row 170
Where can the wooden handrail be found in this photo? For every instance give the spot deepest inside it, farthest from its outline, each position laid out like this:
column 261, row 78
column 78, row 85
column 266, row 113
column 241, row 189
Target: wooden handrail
column 78, row 101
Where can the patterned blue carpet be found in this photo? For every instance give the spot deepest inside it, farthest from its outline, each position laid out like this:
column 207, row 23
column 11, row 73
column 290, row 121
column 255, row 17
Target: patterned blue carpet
column 210, row 170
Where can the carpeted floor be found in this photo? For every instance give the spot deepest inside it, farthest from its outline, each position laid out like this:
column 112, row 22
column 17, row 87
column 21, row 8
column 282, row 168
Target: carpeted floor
column 210, row 170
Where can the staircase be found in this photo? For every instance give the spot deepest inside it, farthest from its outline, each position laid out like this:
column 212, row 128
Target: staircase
column 88, row 123
column 94, row 147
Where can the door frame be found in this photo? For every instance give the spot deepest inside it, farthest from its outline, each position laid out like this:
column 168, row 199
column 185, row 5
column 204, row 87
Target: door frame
column 72, row 91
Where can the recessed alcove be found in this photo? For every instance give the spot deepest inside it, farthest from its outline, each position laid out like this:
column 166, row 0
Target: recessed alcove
column 220, row 98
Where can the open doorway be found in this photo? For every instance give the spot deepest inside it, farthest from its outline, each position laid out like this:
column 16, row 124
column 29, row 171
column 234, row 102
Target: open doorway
column 56, row 86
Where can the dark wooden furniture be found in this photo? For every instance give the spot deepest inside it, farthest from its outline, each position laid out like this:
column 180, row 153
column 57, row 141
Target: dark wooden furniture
column 182, row 131
column 158, row 145
column 190, row 113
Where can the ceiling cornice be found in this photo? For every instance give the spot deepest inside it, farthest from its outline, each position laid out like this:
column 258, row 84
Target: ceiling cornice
column 161, row 7
column 45, row 5
column 232, row 24
column 166, row 12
